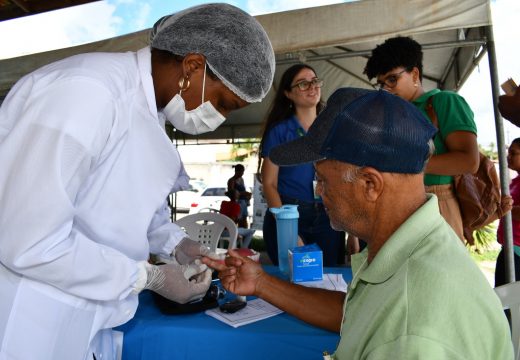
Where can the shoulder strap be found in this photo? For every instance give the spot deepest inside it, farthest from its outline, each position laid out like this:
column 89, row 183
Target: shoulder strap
column 431, row 112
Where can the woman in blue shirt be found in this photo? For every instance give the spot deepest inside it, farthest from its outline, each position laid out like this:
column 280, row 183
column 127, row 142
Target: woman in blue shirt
column 295, row 107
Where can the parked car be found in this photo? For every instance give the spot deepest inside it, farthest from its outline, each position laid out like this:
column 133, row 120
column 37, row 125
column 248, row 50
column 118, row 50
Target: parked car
column 209, row 199
column 181, row 200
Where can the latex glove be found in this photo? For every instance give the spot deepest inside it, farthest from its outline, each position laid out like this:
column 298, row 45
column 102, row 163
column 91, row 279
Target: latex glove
column 188, row 250
column 159, row 260
column 180, row 283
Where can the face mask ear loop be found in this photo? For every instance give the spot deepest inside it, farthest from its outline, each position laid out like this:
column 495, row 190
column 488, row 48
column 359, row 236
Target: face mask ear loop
column 204, row 82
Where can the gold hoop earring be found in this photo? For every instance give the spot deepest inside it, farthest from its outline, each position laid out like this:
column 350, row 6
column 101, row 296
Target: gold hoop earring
column 184, row 83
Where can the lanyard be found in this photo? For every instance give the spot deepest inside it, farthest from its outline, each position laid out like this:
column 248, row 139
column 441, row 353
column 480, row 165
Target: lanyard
column 300, row 132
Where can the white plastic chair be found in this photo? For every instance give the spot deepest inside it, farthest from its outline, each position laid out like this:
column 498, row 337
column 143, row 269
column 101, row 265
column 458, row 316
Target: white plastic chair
column 509, row 295
column 225, row 235
column 207, row 228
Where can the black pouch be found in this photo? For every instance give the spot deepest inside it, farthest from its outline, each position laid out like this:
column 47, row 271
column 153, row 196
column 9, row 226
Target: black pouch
column 169, row 307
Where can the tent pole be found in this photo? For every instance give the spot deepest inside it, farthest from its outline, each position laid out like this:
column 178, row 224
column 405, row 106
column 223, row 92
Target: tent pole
column 504, row 172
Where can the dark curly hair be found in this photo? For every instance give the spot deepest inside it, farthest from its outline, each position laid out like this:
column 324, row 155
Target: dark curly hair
column 395, row 52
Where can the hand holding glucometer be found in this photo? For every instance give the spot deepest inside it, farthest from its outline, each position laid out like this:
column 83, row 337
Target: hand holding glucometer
column 509, row 86
column 509, row 104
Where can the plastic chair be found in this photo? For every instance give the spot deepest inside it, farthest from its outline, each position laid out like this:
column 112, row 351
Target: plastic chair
column 209, row 210
column 225, row 235
column 207, row 228
column 509, row 295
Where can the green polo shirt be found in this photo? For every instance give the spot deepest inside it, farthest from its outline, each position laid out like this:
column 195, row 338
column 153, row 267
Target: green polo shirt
column 453, row 114
column 422, row 297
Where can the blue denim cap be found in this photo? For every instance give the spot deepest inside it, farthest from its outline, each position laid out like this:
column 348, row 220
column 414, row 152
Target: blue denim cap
column 364, row 128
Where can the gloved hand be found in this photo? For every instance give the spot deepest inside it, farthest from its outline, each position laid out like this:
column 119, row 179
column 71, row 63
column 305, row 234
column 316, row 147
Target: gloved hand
column 180, row 283
column 188, row 250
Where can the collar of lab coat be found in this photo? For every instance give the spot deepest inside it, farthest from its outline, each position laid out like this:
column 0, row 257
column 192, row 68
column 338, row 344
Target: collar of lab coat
column 144, row 61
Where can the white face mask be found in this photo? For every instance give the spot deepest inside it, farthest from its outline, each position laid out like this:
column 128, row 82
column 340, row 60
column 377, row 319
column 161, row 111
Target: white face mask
column 203, row 119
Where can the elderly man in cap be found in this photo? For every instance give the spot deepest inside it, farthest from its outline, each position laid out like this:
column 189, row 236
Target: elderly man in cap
column 416, row 293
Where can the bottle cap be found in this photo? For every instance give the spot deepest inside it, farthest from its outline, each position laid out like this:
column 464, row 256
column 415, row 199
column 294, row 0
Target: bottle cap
column 285, row 212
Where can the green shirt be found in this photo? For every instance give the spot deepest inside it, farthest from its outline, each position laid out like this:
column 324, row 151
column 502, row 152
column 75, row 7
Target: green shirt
column 422, row 297
column 453, row 114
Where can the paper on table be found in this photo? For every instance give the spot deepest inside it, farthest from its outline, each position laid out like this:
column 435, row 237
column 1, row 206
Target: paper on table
column 255, row 310
column 329, row 282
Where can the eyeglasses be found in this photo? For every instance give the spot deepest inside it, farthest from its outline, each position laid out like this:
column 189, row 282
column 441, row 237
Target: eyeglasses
column 306, row 85
column 390, row 81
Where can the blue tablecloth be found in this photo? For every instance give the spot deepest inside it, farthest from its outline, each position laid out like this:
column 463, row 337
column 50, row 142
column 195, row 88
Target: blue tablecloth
column 152, row 335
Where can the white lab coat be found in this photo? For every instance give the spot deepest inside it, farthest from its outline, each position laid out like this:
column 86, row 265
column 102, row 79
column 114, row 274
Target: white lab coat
column 85, row 170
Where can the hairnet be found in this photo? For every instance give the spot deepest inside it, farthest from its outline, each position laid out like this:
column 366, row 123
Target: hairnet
column 234, row 43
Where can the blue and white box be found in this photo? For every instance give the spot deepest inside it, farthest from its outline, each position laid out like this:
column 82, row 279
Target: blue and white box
column 306, row 263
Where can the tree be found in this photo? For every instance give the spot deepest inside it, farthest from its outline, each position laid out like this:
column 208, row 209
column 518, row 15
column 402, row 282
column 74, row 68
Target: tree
column 484, row 238
column 490, row 152
column 243, row 149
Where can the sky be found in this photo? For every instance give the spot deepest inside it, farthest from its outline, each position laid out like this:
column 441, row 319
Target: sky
column 105, row 19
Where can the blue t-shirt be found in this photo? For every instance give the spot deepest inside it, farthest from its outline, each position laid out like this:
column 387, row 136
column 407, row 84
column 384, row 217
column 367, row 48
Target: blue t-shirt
column 293, row 181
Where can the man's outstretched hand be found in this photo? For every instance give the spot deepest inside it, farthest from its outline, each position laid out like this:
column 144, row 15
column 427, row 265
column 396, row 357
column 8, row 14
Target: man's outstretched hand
column 240, row 275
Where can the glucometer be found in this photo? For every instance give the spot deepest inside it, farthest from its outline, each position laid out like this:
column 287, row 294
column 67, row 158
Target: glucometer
column 232, row 306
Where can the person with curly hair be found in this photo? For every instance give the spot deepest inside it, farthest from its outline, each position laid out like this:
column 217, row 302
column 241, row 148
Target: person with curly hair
column 397, row 65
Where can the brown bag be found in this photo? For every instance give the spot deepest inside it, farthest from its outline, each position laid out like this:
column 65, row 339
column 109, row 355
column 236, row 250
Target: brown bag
column 478, row 194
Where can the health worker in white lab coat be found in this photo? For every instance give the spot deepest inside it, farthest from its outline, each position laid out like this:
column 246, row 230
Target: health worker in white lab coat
column 87, row 167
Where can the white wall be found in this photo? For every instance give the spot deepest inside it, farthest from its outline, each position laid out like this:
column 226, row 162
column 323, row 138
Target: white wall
column 200, row 163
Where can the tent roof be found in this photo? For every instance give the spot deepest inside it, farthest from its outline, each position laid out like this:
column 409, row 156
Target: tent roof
column 335, row 40
column 12, row 9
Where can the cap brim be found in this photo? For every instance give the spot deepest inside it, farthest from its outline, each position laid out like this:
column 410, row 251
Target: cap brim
column 306, row 149
column 294, row 152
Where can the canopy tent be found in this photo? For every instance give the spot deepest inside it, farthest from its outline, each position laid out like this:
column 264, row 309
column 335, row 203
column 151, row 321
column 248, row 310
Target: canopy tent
column 12, row 9
column 336, row 41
